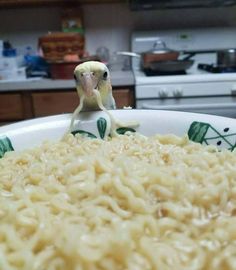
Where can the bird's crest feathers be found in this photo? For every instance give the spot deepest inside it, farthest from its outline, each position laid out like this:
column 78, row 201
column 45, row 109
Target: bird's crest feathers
column 91, row 66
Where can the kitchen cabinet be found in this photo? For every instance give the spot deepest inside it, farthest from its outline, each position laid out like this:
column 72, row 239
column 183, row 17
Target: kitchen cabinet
column 30, row 3
column 14, row 107
column 20, row 105
column 123, row 97
column 50, row 103
column 56, row 102
column 11, row 107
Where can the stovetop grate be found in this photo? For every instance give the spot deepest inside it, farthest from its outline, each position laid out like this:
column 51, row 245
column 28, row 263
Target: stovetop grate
column 213, row 68
column 149, row 73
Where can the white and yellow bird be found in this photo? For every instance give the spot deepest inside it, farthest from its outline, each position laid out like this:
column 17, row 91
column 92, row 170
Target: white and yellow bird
column 94, row 75
column 93, row 85
column 92, row 78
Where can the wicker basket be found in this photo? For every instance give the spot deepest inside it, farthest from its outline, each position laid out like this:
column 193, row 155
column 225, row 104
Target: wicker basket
column 56, row 45
column 65, row 70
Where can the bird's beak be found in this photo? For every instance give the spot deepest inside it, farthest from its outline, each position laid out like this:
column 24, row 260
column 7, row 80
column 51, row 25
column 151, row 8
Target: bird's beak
column 88, row 82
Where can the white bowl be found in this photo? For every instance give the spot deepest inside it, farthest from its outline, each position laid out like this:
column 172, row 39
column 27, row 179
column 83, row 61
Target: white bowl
column 202, row 128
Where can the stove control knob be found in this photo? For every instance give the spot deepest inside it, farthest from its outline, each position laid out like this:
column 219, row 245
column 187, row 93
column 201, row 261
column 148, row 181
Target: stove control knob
column 233, row 90
column 178, row 93
column 163, row 93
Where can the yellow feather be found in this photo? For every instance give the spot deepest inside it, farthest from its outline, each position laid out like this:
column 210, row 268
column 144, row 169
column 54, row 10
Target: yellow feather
column 104, row 86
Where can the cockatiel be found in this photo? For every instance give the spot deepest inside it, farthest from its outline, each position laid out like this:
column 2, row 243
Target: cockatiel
column 93, row 82
column 94, row 75
column 94, row 88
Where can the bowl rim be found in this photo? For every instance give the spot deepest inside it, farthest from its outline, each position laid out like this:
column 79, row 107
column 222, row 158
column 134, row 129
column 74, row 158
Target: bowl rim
column 67, row 116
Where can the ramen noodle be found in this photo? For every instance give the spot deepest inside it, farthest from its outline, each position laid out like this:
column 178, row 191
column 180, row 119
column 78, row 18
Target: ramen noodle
column 114, row 122
column 127, row 202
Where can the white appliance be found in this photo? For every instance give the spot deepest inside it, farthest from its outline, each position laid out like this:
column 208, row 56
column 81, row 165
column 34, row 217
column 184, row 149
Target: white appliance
column 195, row 91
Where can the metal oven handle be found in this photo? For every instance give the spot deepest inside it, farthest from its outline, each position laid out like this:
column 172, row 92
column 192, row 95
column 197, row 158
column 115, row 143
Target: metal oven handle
column 192, row 107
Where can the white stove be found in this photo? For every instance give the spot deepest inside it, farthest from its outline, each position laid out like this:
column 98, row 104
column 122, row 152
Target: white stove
column 197, row 90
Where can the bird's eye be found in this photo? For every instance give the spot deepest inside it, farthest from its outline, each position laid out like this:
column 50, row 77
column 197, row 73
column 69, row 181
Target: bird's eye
column 105, row 74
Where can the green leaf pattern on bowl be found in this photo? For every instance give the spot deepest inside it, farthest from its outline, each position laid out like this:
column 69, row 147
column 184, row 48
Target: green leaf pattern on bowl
column 5, row 146
column 200, row 132
column 85, row 133
column 205, row 133
column 102, row 126
column 123, row 130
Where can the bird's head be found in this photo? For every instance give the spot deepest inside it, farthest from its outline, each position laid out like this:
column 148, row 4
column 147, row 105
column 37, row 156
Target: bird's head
column 92, row 75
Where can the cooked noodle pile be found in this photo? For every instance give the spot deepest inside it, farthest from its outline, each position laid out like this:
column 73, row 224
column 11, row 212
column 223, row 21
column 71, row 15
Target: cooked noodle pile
column 130, row 202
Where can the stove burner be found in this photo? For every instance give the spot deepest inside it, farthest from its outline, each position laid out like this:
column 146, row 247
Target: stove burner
column 216, row 69
column 149, row 72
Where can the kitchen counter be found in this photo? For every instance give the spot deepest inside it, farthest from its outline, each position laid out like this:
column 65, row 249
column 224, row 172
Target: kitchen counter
column 20, row 100
column 118, row 78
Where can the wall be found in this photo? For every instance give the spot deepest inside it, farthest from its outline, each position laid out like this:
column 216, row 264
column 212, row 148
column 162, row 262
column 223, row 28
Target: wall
column 23, row 26
column 106, row 25
column 114, row 24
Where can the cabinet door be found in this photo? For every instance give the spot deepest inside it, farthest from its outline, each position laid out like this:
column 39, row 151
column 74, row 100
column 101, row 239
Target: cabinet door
column 54, row 103
column 50, row 103
column 29, row 3
column 11, row 107
column 123, row 97
column 20, row 3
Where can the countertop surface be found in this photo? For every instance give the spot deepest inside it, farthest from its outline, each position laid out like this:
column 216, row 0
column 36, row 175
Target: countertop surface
column 118, row 78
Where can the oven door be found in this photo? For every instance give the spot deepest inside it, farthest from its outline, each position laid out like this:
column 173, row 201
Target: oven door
column 222, row 106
